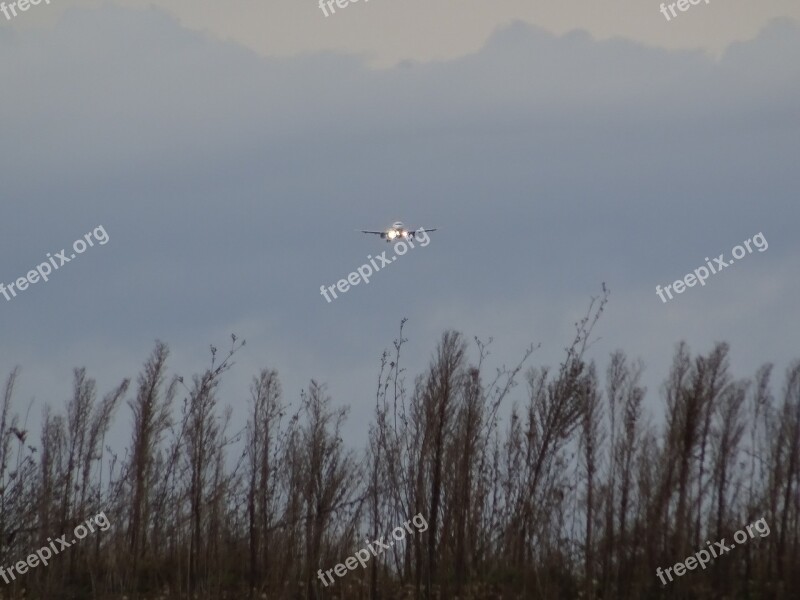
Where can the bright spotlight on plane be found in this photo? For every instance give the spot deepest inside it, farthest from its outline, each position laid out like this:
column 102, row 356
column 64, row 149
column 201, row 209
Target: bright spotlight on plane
column 397, row 229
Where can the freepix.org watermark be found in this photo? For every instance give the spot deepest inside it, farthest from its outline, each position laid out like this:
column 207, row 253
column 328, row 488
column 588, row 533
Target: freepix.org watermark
column 365, row 271
column 22, row 5
column 44, row 270
column 45, row 553
column 363, row 556
column 703, row 557
column 683, row 6
column 700, row 274
column 339, row 3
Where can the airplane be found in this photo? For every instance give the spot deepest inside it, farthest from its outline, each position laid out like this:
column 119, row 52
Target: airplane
column 397, row 231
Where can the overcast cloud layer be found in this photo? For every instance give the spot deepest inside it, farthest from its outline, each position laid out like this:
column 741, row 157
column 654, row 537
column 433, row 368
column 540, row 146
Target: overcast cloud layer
column 389, row 31
column 231, row 184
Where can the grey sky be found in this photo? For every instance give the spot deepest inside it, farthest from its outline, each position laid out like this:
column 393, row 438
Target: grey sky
column 231, row 182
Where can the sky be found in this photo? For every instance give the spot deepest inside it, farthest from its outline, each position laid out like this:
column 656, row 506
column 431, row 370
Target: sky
column 232, row 151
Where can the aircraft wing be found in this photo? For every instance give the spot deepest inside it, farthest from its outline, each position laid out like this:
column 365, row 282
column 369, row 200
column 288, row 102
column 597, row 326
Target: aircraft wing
column 375, row 232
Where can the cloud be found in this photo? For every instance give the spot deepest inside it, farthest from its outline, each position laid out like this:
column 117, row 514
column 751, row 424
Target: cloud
column 390, row 32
